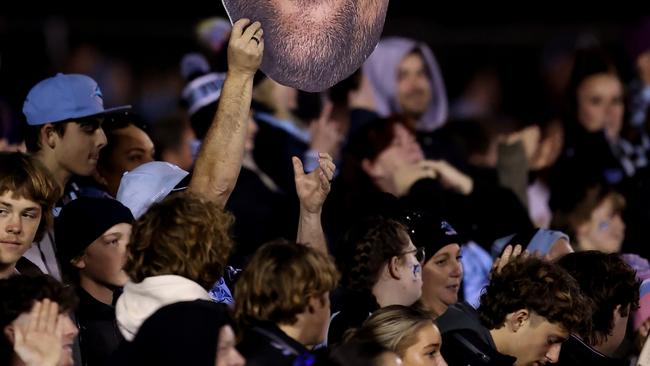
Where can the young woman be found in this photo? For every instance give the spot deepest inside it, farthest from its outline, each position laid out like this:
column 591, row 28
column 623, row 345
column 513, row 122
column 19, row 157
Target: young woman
column 407, row 331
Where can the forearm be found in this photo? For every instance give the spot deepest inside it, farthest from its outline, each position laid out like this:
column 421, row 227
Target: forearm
column 219, row 162
column 310, row 231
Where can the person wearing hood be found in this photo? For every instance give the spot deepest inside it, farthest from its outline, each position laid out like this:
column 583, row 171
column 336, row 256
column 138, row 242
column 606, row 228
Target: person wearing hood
column 548, row 244
column 178, row 251
column 406, row 79
column 196, row 332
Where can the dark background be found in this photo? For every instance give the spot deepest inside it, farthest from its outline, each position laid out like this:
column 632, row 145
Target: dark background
column 149, row 48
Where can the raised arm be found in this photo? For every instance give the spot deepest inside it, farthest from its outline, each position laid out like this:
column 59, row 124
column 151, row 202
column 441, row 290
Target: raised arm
column 312, row 190
column 219, row 162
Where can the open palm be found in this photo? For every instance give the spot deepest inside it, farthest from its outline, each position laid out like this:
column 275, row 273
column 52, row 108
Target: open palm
column 314, row 187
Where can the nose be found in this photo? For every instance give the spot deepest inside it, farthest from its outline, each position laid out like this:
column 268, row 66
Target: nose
column 553, row 353
column 15, row 224
column 457, row 270
column 69, row 329
column 440, row 361
column 101, row 138
column 237, row 359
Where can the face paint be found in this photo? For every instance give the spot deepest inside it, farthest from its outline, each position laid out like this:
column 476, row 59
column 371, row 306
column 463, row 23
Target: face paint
column 603, row 225
column 417, row 270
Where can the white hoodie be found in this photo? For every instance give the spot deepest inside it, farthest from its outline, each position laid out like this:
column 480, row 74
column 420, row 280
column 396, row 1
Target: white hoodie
column 141, row 300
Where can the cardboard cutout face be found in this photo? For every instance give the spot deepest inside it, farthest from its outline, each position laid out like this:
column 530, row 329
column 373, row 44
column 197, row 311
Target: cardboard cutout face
column 313, row 44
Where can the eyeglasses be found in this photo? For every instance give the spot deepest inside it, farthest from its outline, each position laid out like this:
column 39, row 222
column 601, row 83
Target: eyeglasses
column 419, row 254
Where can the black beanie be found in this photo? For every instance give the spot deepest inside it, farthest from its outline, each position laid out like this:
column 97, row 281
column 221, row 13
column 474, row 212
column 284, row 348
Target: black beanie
column 429, row 232
column 84, row 220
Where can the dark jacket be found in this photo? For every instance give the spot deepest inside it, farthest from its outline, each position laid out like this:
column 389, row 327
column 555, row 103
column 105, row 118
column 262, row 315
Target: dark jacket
column 179, row 334
column 576, row 352
column 263, row 343
column 261, row 215
column 350, row 311
column 99, row 335
column 465, row 341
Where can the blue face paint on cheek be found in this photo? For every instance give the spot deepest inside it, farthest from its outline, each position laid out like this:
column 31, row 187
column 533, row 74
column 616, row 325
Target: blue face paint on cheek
column 603, row 225
column 417, row 271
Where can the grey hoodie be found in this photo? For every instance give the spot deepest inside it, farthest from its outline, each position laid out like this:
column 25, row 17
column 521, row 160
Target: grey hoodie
column 381, row 71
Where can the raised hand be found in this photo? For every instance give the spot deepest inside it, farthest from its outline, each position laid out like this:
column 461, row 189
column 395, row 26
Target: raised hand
column 245, row 47
column 38, row 339
column 450, row 177
column 406, row 175
column 313, row 188
column 325, row 133
column 509, row 254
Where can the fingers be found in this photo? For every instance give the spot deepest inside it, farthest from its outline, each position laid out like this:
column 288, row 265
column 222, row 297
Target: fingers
column 517, row 251
column 505, row 258
column 327, row 165
column 34, row 316
column 428, row 168
column 238, row 28
column 324, row 182
column 298, row 169
column 251, row 31
column 59, row 325
column 258, row 38
column 51, row 317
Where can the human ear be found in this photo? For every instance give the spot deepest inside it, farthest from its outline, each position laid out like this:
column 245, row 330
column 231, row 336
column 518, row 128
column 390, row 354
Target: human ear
column 394, row 268
column 48, row 135
column 79, row 262
column 370, row 168
column 517, row 319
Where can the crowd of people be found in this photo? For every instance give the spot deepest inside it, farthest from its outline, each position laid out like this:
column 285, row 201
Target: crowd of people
column 369, row 224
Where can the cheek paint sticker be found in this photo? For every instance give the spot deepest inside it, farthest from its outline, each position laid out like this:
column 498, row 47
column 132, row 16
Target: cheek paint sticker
column 417, row 271
column 313, row 44
column 603, row 225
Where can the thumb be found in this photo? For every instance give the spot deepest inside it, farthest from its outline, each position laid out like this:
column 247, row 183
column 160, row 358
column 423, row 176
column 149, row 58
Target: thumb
column 298, row 169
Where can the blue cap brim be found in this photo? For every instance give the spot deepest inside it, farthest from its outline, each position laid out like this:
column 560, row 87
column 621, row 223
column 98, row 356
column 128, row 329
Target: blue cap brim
column 116, row 109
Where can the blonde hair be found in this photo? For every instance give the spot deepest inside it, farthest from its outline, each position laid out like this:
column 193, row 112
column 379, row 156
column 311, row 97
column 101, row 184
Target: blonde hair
column 280, row 280
column 184, row 235
column 394, row 327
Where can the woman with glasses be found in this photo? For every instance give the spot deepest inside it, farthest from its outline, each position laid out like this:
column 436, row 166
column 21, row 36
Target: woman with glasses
column 442, row 269
column 380, row 266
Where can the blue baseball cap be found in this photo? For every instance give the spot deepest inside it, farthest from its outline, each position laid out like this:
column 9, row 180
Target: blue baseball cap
column 64, row 97
column 147, row 184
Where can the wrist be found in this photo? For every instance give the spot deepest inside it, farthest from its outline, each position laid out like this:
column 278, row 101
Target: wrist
column 234, row 73
column 307, row 213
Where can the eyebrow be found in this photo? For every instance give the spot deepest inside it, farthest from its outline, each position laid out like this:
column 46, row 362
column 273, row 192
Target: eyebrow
column 559, row 339
column 9, row 205
column 139, row 149
column 432, row 346
column 118, row 234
